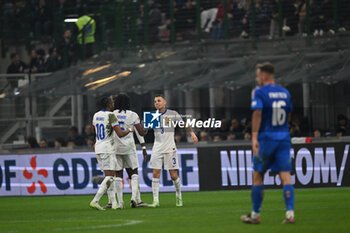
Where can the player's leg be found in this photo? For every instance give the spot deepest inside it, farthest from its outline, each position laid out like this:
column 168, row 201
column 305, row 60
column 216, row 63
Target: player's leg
column 97, row 179
column 139, row 201
column 155, row 187
column 131, row 162
column 257, row 193
column 260, row 166
column 119, row 188
column 283, row 163
column 288, row 194
column 138, row 194
column 107, row 181
column 177, row 183
column 171, row 163
column 111, row 191
column 104, row 161
column 119, row 163
column 257, row 196
column 134, row 183
column 156, row 164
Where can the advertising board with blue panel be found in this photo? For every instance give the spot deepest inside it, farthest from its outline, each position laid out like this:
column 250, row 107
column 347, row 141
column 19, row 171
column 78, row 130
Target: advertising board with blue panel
column 71, row 173
column 202, row 168
column 313, row 165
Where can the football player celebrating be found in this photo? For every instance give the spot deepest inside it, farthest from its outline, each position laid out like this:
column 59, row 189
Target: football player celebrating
column 105, row 124
column 164, row 150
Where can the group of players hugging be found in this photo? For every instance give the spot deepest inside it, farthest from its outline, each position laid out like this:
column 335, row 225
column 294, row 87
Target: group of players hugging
column 115, row 150
column 115, row 146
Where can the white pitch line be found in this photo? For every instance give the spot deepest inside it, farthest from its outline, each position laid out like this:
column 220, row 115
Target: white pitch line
column 48, row 220
column 128, row 223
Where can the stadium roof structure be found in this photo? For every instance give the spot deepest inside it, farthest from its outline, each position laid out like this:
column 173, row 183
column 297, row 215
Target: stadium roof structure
column 228, row 64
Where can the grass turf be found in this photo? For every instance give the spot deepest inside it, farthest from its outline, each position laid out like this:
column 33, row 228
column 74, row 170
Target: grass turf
column 317, row 210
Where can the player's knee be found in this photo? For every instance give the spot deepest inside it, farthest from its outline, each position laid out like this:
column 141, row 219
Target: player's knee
column 133, row 172
column 285, row 178
column 119, row 174
column 173, row 174
column 156, row 173
column 109, row 173
column 258, row 178
column 128, row 170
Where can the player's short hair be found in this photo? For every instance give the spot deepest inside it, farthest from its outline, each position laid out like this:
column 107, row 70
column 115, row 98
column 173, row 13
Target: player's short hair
column 159, row 95
column 105, row 101
column 266, row 67
column 122, row 102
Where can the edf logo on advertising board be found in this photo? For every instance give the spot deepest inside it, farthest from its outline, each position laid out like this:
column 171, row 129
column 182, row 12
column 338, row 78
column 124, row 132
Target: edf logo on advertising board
column 71, row 173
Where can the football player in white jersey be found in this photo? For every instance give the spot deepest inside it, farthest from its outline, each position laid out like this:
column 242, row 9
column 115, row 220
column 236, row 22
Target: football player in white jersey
column 104, row 123
column 126, row 151
column 164, row 150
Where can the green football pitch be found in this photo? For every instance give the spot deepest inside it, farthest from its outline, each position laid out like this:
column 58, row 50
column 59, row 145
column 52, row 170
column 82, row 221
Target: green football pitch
column 317, row 210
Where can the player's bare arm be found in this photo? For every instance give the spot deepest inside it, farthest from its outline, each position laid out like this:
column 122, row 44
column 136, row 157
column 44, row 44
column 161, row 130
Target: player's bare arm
column 140, row 129
column 193, row 135
column 122, row 133
column 256, row 121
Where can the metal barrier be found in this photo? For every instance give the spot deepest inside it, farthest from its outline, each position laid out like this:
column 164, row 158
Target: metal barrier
column 27, row 115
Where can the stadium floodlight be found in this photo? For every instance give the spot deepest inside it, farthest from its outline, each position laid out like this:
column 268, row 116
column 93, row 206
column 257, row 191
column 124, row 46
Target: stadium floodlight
column 165, row 54
column 141, row 65
column 91, row 71
column 70, row 20
column 104, row 81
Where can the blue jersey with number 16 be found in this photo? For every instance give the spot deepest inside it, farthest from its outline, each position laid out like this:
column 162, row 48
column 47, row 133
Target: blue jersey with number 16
column 275, row 103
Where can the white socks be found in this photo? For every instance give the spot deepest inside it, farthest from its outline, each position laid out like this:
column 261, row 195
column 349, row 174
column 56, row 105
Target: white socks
column 138, row 195
column 134, row 186
column 107, row 181
column 177, row 184
column 112, row 190
column 155, row 189
column 111, row 194
column 255, row 215
column 119, row 189
column 290, row 214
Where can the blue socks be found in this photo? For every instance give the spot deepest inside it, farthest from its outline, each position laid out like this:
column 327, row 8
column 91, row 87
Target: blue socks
column 288, row 194
column 257, row 197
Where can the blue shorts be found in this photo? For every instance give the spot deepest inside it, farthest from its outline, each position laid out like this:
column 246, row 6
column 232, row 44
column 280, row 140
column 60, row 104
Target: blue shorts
column 274, row 155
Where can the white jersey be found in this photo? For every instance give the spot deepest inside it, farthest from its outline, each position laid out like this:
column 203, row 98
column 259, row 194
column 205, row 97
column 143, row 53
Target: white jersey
column 126, row 144
column 164, row 141
column 104, row 122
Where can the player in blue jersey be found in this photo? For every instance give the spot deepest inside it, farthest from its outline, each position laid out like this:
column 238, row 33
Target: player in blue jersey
column 271, row 105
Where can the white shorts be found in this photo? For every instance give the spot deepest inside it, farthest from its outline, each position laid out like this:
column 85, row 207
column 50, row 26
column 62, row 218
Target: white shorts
column 127, row 161
column 170, row 161
column 107, row 161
